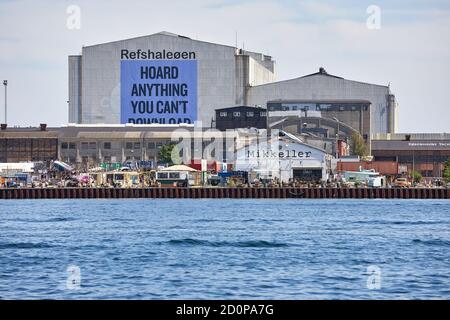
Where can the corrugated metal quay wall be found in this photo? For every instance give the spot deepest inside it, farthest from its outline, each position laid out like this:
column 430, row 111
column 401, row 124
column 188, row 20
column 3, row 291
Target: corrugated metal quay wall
column 224, row 193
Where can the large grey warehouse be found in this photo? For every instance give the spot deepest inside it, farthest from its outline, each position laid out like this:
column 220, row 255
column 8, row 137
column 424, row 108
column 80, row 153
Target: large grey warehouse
column 168, row 79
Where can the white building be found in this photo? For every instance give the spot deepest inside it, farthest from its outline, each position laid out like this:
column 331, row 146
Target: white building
column 284, row 157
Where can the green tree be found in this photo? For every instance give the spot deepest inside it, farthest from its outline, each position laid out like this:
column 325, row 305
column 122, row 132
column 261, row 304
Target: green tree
column 416, row 176
column 168, row 154
column 446, row 173
column 358, row 145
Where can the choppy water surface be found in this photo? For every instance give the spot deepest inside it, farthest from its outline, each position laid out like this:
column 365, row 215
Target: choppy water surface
column 224, row 249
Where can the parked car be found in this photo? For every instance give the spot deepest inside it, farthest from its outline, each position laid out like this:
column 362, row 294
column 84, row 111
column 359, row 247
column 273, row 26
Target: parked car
column 214, row 180
column 72, row 182
column 401, row 183
column 438, row 183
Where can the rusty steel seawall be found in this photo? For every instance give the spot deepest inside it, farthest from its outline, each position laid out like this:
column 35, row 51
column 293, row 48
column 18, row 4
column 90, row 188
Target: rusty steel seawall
column 224, row 193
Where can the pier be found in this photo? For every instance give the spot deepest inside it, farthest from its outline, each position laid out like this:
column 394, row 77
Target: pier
column 225, row 193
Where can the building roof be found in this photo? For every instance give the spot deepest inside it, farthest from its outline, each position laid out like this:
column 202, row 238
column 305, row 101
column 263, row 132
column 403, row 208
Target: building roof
column 320, row 101
column 249, row 108
column 321, row 73
column 161, row 33
column 29, row 133
column 179, row 167
column 411, row 136
column 297, row 140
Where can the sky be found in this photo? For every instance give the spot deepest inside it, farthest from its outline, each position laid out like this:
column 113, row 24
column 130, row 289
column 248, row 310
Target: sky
column 410, row 50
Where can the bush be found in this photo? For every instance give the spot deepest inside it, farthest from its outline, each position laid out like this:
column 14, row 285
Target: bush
column 359, row 146
column 416, row 176
column 446, row 173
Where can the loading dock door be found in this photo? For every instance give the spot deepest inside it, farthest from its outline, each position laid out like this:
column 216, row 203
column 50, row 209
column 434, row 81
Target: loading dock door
column 307, row 174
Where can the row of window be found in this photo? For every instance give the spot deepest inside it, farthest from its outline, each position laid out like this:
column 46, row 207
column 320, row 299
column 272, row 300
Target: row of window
column 105, row 159
column 107, row 145
column 318, row 108
column 237, row 114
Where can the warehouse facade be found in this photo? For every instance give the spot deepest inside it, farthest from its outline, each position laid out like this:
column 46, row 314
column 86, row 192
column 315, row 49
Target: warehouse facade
column 422, row 152
column 321, row 86
column 184, row 80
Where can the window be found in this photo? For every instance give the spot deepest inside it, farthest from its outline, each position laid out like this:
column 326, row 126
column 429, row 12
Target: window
column 163, row 175
column 174, row 175
column 305, row 108
column 236, row 114
column 84, row 145
column 341, row 108
column 250, row 114
column 263, row 114
column 223, row 114
column 72, row 145
column 294, row 108
column 151, row 145
column 92, row 145
column 129, row 145
column 107, row 145
column 64, row 145
column 427, row 173
column 137, row 145
column 159, row 145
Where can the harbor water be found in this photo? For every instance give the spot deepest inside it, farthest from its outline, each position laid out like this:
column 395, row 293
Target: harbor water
column 224, row 249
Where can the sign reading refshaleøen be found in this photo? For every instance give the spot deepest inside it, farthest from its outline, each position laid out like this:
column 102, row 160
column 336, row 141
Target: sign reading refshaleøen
column 158, row 91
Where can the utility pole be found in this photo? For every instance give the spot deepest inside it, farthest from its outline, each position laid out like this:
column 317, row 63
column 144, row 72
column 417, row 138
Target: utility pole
column 5, row 83
column 337, row 137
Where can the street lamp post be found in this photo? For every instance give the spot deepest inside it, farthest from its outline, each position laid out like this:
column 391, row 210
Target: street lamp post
column 5, row 83
column 337, row 137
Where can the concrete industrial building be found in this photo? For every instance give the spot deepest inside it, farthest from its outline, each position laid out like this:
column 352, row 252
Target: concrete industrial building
column 321, row 86
column 218, row 76
column 28, row 144
column 422, row 152
column 224, row 74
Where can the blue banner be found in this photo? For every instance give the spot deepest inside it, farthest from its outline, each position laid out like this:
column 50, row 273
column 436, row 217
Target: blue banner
column 158, row 91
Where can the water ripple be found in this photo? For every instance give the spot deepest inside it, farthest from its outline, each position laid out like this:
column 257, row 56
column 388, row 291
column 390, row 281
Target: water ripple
column 24, row 245
column 242, row 244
